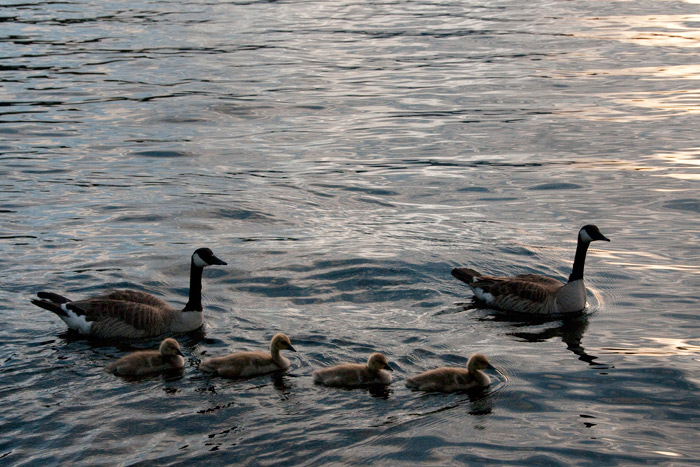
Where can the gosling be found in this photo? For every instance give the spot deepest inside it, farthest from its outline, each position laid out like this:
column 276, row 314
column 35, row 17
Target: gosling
column 247, row 364
column 167, row 357
column 356, row 374
column 450, row 379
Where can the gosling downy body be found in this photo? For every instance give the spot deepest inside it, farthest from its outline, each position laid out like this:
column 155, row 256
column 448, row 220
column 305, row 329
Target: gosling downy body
column 532, row 293
column 453, row 379
column 356, row 374
column 247, row 364
column 132, row 313
column 167, row 357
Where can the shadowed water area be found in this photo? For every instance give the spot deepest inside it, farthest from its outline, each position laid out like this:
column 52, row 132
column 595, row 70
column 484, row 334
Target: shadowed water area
column 342, row 158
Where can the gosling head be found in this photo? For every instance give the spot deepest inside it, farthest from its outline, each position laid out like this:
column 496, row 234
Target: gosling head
column 590, row 233
column 378, row 362
column 204, row 257
column 281, row 342
column 170, row 346
column 479, row 362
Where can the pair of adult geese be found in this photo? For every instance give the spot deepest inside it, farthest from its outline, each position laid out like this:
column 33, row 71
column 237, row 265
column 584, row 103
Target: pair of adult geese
column 136, row 314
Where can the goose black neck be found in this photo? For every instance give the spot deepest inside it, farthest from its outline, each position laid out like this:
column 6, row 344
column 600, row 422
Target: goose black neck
column 579, row 261
column 195, row 301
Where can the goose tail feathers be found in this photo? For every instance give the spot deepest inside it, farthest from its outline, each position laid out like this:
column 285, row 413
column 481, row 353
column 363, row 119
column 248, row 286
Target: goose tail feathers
column 466, row 275
column 57, row 304
column 51, row 306
column 53, row 297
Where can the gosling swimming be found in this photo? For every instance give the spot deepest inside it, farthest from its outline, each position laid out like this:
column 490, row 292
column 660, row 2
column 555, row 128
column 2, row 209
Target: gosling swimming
column 132, row 313
column 452, row 379
column 247, row 364
column 356, row 374
column 532, row 293
column 167, row 357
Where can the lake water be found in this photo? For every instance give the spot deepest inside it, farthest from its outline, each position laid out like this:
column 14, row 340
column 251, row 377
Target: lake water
column 343, row 157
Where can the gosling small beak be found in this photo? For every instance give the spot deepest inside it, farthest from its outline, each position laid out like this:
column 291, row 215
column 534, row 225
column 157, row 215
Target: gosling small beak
column 388, row 367
column 491, row 367
column 179, row 352
column 289, row 347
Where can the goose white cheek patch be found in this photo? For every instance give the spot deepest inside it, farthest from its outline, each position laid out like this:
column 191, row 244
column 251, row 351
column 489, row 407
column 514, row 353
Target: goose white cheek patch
column 199, row 262
column 584, row 236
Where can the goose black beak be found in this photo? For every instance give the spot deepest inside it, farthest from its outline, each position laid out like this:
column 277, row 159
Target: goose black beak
column 216, row 261
column 598, row 235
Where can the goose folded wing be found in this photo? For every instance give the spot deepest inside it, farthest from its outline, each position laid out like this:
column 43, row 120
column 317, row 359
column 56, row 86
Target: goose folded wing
column 110, row 316
column 537, row 292
column 538, row 279
column 135, row 296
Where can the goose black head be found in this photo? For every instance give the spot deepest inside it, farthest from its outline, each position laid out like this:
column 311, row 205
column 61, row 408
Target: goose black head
column 590, row 233
column 204, row 257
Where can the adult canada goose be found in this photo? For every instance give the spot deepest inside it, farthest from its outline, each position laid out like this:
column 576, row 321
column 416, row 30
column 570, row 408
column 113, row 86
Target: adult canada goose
column 167, row 357
column 132, row 313
column 356, row 374
column 532, row 293
column 451, row 379
column 246, row 364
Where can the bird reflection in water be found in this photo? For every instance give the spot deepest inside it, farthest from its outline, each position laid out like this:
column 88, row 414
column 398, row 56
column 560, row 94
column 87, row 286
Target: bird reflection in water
column 540, row 329
column 479, row 401
column 569, row 329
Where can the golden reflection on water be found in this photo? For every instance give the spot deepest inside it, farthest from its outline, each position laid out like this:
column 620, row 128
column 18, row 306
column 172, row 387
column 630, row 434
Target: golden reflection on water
column 685, row 176
column 654, row 31
column 667, row 453
column 680, row 101
column 666, row 346
column 678, row 31
column 653, row 106
column 622, row 258
column 690, row 156
column 685, row 163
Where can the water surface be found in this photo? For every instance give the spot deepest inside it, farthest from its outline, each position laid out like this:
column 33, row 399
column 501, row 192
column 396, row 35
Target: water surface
column 343, row 157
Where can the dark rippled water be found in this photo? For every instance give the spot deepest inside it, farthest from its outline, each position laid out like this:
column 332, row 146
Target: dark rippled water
column 343, row 157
